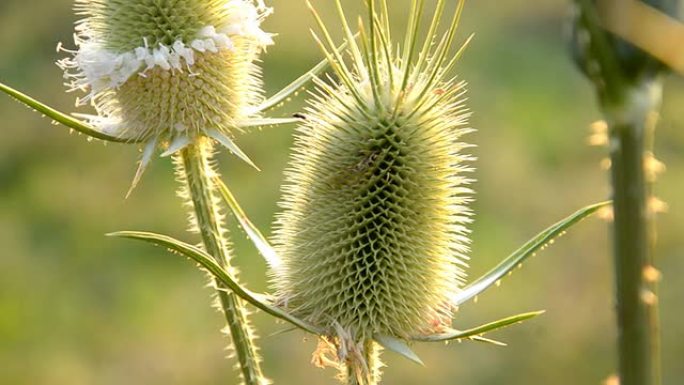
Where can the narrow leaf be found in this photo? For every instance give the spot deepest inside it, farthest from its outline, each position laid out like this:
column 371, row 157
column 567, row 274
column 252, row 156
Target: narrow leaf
column 260, row 242
column 144, row 162
column 293, row 87
column 230, row 145
column 476, row 332
column 488, row 341
column 398, row 346
column 260, row 301
column 63, row 118
column 523, row 253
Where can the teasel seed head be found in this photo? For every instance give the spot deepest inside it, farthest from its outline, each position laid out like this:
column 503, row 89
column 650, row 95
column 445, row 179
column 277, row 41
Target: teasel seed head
column 373, row 235
column 167, row 70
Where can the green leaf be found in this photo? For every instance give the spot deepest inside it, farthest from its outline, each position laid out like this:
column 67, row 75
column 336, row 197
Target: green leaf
column 476, row 332
column 293, row 87
column 398, row 346
column 523, row 253
column 264, row 247
column 260, row 301
column 63, row 118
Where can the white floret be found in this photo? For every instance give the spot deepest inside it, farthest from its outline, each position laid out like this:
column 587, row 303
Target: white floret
column 96, row 69
column 245, row 20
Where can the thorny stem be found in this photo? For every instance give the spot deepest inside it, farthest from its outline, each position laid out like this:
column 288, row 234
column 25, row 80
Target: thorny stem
column 633, row 232
column 195, row 169
column 629, row 106
column 367, row 372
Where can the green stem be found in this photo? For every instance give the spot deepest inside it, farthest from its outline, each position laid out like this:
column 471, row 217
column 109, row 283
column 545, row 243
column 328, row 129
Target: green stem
column 629, row 98
column 654, row 314
column 194, row 167
column 630, row 245
column 366, row 372
column 637, row 311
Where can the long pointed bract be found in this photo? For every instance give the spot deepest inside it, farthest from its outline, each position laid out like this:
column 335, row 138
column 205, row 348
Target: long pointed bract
column 479, row 330
column 523, row 253
column 63, row 118
column 260, row 242
column 260, row 301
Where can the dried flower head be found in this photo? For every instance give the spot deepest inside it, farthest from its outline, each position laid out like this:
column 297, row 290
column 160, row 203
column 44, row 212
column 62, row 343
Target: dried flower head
column 167, row 70
column 373, row 236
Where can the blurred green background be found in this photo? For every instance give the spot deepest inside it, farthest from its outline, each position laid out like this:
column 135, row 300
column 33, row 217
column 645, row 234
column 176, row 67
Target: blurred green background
column 78, row 308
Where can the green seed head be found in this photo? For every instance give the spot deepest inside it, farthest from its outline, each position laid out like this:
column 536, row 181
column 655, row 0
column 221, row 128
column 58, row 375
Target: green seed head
column 167, row 68
column 373, row 234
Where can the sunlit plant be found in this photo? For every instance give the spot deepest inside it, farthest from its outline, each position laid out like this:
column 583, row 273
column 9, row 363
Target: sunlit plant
column 371, row 246
column 176, row 77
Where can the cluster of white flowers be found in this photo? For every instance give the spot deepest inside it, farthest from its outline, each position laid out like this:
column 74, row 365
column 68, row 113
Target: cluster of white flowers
column 245, row 20
column 95, row 68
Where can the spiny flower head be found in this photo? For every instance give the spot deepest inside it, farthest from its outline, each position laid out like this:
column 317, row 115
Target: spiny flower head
column 167, row 69
column 373, row 235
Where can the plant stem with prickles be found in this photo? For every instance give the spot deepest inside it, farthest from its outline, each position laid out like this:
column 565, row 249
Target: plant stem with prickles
column 629, row 99
column 636, row 299
column 195, row 168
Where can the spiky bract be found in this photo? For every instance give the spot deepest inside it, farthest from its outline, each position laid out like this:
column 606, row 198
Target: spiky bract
column 167, row 68
column 373, row 235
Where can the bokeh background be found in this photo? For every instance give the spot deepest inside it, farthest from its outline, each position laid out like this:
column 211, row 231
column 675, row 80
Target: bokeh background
column 77, row 308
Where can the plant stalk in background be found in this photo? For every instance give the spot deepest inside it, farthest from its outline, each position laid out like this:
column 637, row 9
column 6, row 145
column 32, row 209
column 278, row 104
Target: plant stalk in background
column 628, row 83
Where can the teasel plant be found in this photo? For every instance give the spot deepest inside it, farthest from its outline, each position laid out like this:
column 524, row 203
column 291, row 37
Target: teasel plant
column 371, row 246
column 177, row 78
column 629, row 81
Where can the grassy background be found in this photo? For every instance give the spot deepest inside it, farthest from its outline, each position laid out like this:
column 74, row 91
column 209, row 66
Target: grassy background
column 77, row 308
